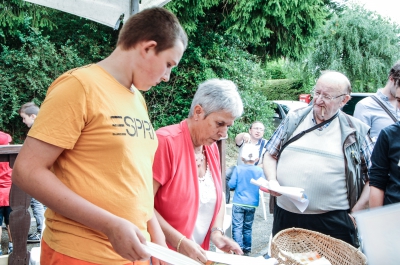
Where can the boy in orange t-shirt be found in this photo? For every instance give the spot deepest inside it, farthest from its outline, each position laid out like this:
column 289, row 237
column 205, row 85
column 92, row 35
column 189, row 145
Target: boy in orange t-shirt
column 88, row 156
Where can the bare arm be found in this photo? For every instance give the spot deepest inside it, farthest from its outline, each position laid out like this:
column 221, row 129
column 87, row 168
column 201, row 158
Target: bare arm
column 155, row 231
column 32, row 174
column 362, row 202
column 173, row 236
column 269, row 166
column 376, row 197
column 242, row 137
column 157, row 236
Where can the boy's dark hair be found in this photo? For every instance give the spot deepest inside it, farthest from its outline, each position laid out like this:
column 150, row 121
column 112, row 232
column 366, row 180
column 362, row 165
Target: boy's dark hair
column 156, row 24
column 395, row 73
column 29, row 109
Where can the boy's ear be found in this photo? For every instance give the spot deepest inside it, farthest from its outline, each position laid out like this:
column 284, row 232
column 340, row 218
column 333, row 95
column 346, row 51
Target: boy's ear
column 33, row 116
column 146, row 46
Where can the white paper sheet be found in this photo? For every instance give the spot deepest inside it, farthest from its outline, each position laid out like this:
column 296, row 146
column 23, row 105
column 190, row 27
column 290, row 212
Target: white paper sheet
column 239, row 260
column 168, row 255
column 295, row 195
column 175, row 258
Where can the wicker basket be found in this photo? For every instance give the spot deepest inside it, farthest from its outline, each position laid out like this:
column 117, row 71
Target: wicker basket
column 297, row 240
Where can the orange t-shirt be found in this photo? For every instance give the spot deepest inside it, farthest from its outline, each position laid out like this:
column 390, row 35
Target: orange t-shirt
column 49, row 257
column 109, row 147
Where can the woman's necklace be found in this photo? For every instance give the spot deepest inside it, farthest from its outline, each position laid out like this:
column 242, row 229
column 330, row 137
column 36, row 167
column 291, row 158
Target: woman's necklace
column 199, row 158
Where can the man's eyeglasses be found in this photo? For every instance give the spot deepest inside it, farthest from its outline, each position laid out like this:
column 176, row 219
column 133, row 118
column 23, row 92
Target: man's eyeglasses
column 325, row 98
column 258, row 129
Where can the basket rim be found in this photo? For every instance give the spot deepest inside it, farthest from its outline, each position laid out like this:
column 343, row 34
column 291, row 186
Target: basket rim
column 331, row 240
column 302, row 230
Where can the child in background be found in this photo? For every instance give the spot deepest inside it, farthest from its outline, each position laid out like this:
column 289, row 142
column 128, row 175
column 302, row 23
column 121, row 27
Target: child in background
column 28, row 113
column 5, row 186
column 246, row 197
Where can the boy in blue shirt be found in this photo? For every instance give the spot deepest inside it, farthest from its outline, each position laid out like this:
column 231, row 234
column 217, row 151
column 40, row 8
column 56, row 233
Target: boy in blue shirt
column 246, row 197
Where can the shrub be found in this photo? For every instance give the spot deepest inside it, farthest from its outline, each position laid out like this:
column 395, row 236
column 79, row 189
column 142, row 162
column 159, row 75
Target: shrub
column 26, row 73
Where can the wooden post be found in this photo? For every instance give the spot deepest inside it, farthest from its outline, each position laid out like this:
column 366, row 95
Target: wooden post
column 20, row 219
column 222, row 156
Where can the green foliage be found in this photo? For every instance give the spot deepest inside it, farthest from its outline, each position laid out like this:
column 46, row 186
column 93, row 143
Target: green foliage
column 190, row 12
column 210, row 55
column 256, row 108
column 359, row 43
column 27, row 72
column 272, row 28
column 30, row 62
column 15, row 13
column 299, row 71
column 288, row 79
column 91, row 40
column 284, row 26
column 275, row 69
column 222, row 34
column 282, row 89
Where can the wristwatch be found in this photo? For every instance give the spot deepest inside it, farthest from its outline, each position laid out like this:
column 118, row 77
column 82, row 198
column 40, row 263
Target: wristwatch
column 218, row 229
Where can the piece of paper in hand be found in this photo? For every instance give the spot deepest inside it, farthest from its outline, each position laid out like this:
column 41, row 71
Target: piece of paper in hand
column 295, row 195
column 176, row 258
column 168, row 255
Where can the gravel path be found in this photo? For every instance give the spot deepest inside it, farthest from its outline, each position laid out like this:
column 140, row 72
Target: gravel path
column 261, row 229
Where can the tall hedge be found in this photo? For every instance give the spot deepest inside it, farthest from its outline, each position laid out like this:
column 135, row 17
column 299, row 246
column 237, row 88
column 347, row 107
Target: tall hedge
column 25, row 74
column 29, row 65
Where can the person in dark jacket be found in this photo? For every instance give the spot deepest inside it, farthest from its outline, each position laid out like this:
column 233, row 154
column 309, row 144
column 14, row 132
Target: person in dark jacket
column 385, row 164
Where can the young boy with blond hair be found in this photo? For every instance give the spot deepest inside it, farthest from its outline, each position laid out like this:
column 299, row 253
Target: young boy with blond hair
column 246, row 197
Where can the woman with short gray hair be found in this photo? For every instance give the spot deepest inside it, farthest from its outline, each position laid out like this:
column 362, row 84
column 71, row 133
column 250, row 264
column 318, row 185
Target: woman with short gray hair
column 188, row 196
column 211, row 99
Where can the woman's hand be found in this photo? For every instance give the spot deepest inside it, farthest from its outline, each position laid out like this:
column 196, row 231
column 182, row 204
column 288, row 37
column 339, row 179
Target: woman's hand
column 225, row 243
column 192, row 250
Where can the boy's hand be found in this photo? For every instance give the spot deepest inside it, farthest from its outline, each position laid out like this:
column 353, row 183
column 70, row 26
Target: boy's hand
column 127, row 240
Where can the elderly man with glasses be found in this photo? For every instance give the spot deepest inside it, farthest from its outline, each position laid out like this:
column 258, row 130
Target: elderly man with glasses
column 326, row 152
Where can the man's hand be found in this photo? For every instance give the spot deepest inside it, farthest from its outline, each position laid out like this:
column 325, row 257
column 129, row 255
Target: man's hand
column 225, row 243
column 246, row 138
column 127, row 240
column 353, row 220
column 274, row 183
